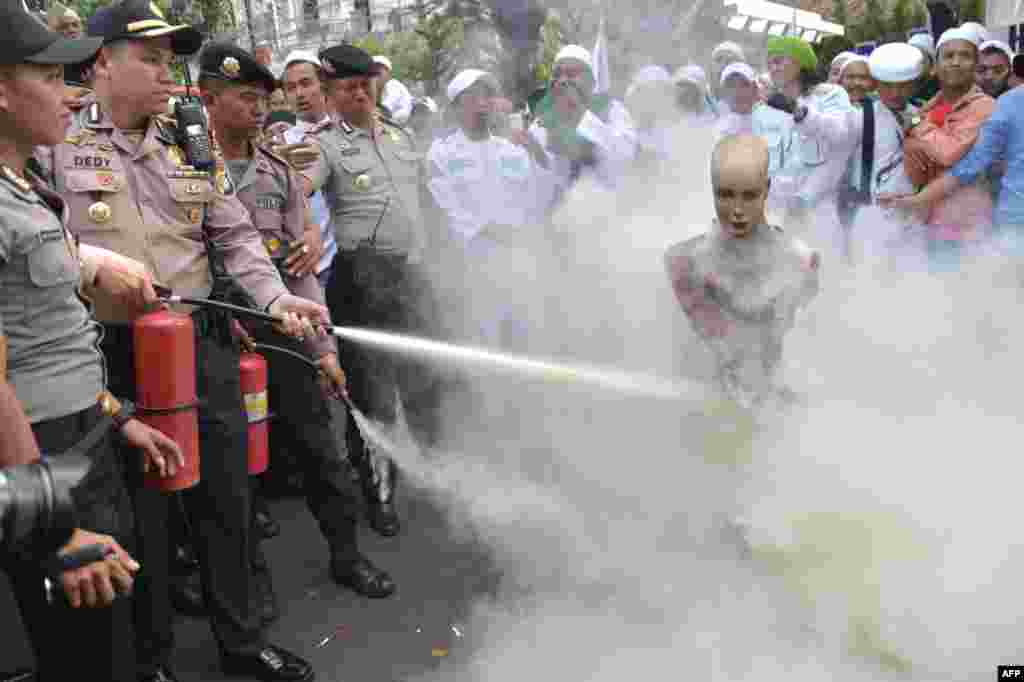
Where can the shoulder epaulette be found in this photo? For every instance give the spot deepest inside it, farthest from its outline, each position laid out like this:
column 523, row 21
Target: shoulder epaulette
column 10, row 177
column 268, row 149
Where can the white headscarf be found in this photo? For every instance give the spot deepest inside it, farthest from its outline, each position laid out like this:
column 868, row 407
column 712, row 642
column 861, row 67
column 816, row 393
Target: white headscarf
column 854, row 59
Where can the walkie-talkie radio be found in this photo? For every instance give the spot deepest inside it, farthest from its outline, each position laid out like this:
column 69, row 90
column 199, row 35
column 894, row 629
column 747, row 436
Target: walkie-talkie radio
column 192, row 132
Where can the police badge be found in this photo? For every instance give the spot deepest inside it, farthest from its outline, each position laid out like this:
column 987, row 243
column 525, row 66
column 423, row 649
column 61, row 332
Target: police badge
column 230, row 67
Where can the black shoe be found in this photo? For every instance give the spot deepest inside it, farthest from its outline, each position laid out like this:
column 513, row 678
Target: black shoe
column 185, row 560
column 266, row 597
column 187, row 595
column 272, row 664
column 266, row 525
column 258, row 560
column 362, row 577
column 384, row 518
column 161, row 674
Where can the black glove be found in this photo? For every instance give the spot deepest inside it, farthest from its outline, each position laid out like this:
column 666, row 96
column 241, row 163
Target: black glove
column 779, row 101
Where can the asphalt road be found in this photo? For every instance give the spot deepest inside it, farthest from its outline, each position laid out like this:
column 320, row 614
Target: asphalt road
column 348, row 637
column 345, row 636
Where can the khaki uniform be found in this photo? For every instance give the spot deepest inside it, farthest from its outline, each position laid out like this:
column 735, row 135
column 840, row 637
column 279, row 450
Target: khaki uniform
column 141, row 200
column 51, row 335
column 57, row 372
column 371, row 185
column 132, row 193
column 273, row 194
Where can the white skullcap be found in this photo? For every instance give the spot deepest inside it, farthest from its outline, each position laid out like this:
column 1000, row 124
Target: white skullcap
column 465, row 79
column 691, row 73
column 576, row 52
column 924, row 42
column 728, row 47
column 998, row 45
column 896, row 63
column 977, row 30
column 842, row 58
column 648, row 75
column 956, row 34
column 301, row 57
column 383, row 61
column 856, row 59
column 745, row 71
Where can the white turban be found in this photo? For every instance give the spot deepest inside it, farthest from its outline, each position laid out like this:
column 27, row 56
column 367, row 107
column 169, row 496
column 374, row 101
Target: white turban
column 730, row 48
column 956, row 34
column 923, row 42
column 896, row 63
column 578, row 53
column 998, row 45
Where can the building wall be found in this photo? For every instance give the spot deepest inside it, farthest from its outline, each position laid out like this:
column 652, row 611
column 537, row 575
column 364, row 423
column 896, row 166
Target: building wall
column 287, row 25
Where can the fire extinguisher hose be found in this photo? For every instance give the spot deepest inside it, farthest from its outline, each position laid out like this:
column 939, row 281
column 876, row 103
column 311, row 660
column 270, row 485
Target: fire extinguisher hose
column 304, row 360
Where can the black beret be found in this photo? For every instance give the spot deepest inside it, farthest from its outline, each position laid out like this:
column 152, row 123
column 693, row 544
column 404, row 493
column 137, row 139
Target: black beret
column 141, row 19
column 228, row 62
column 27, row 39
column 346, row 61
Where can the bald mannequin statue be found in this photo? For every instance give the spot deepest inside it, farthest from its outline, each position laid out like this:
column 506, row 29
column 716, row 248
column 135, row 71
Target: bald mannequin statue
column 742, row 282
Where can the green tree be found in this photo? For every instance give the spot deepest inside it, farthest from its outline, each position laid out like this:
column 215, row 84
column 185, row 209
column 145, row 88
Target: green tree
column 902, row 17
column 972, row 10
column 445, row 36
column 840, row 12
column 551, row 43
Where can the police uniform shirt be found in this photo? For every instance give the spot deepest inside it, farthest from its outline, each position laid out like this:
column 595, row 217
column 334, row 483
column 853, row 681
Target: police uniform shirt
column 477, row 183
column 53, row 361
column 132, row 193
column 317, row 204
column 371, row 185
column 273, row 194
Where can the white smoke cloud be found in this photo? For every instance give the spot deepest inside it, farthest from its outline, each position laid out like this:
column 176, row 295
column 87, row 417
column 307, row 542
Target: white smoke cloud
column 880, row 512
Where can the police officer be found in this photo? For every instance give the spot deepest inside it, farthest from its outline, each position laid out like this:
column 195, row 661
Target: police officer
column 370, row 172
column 49, row 353
column 235, row 89
column 130, row 188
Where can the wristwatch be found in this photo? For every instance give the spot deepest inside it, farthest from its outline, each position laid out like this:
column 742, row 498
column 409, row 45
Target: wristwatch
column 119, row 412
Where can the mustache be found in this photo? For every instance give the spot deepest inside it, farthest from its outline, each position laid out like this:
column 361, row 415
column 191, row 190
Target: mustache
column 569, row 85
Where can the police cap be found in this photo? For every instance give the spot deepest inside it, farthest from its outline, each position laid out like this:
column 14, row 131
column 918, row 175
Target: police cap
column 346, row 61
column 230, row 63
column 28, row 40
column 140, row 19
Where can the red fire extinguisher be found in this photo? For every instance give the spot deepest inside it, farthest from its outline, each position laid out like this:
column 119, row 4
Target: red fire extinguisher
column 165, row 379
column 253, row 375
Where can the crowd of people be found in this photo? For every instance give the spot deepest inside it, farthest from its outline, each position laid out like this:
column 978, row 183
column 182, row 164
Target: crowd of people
column 340, row 202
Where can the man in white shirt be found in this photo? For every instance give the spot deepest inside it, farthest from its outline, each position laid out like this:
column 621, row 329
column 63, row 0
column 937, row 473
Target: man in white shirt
column 489, row 190
column 304, row 90
column 395, row 97
column 895, row 68
column 582, row 132
column 739, row 90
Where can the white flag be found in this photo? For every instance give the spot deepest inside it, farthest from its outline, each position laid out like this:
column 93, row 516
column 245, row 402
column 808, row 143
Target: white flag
column 602, row 76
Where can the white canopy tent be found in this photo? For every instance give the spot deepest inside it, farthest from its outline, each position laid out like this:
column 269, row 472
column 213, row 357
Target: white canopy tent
column 772, row 18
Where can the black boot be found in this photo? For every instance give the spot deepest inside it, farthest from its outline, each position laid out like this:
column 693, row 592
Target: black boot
column 358, row 573
column 187, row 594
column 379, row 477
column 266, row 604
